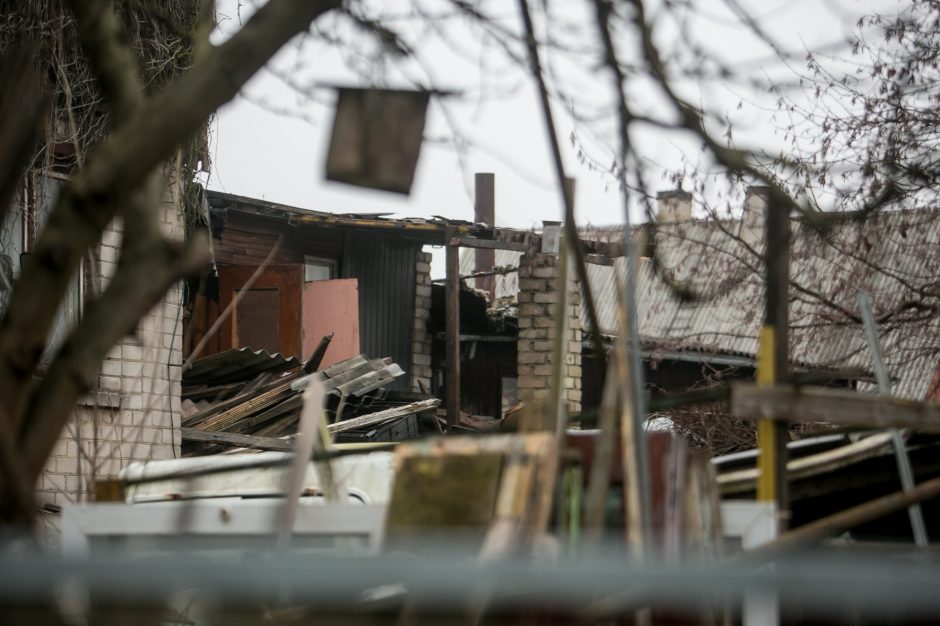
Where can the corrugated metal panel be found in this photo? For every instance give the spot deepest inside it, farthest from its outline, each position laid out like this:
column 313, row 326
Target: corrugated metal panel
column 385, row 267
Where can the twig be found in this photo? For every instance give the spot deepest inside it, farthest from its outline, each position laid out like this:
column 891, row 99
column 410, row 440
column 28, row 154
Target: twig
column 568, row 202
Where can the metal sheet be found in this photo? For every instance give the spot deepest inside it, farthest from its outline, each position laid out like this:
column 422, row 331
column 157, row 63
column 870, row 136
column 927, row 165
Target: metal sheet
column 385, row 267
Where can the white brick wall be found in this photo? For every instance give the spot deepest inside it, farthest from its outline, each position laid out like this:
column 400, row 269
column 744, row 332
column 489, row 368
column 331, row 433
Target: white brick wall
column 538, row 295
column 135, row 415
column 421, row 339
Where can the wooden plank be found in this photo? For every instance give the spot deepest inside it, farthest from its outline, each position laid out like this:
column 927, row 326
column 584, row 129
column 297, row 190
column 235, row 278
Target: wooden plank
column 487, row 244
column 835, row 406
column 242, row 397
column 452, row 328
column 235, row 439
column 384, row 416
column 265, row 400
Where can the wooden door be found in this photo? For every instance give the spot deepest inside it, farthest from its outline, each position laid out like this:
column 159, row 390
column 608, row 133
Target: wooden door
column 268, row 316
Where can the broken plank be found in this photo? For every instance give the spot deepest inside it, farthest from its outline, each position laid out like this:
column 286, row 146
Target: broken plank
column 258, row 403
column 235, row 439
column 234, row 401
column 835, row 406
column 384, row 416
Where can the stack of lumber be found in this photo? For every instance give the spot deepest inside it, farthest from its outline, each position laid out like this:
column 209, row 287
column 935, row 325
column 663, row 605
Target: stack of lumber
column 259, row 407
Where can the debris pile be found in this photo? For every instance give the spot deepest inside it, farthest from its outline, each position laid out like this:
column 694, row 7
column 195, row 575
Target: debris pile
column 252, row 399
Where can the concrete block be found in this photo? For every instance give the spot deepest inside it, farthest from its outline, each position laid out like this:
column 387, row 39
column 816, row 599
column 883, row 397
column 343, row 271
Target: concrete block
column 111, row 367
column 131, row 368
column 543, row 370
column 65, row 464
column 111, row 237
column 110, row 383
column 533, row 333
column 533, row 358
column 161, row 452
column 543, row 321
column 108, row 253
column 547, row 297
column 533, row 284
column 530, row 382
column 530, row 310
column 131, row 386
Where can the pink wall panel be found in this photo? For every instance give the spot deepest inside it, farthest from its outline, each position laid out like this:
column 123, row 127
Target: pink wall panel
column 331, row 306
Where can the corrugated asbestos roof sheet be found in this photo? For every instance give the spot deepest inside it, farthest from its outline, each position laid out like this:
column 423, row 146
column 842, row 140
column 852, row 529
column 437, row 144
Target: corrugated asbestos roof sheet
column 892, row 256
column 506, row 284
column 236, row 364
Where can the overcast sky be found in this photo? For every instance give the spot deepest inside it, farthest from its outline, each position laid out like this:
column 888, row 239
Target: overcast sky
column 271, row 142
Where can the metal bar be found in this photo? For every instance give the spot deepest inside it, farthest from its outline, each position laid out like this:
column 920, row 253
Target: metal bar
column 824, row 584
column 452, row 345
column 905, row 471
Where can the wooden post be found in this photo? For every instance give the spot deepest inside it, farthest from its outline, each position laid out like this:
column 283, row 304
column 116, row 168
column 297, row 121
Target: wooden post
column 452, row 310
column 772, row 364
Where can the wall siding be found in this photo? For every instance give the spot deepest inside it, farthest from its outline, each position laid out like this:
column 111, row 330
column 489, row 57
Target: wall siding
column 385, row 267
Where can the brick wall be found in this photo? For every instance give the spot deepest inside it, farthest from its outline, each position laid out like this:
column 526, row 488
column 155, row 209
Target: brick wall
column 421, row 340
column 135, row 414
column 538, row 297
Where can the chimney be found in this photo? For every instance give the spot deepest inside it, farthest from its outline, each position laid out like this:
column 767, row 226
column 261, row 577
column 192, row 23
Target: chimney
column 673, row 206
column 755, row 210
column 484, row 211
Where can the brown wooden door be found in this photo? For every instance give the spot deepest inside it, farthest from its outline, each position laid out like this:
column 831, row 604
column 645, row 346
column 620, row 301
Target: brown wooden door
column 268, row 316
